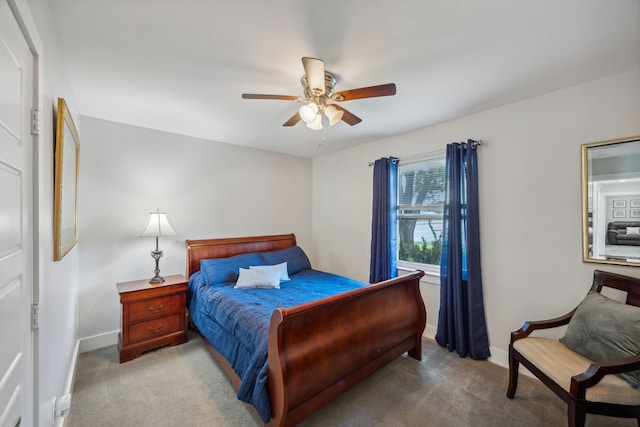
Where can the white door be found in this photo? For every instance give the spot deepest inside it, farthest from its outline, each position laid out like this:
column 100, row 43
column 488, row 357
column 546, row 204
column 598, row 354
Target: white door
column 16, row 356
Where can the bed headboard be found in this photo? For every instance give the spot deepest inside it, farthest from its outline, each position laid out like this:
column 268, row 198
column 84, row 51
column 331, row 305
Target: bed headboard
column 224, row 248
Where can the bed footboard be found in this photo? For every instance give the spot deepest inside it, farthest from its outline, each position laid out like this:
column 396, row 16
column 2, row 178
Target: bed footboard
column 319, row 350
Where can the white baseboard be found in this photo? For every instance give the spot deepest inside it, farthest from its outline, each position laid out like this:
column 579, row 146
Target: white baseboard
column 83, row 345
column 501, row 358
column 99, row 341
column 430, row 332
column 71, row 377
column 498, row 356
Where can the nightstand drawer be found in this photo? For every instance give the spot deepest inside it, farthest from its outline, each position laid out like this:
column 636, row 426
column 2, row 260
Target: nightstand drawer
column 155, row 328
column 154, row 308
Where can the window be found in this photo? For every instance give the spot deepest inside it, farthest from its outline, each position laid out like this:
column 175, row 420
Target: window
column 420, row 209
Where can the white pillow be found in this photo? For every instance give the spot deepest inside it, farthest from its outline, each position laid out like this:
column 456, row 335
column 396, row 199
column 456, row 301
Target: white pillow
column 633, row 230
column 282, row 268
column 258, row 278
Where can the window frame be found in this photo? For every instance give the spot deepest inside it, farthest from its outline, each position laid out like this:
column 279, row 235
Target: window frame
column 430, row 269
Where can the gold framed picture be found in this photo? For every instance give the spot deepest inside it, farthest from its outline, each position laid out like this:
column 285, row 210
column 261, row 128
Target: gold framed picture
column 66, row 167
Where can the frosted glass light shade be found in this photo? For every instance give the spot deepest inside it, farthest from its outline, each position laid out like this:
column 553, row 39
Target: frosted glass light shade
column 315, row 124
column 333, row 114
column 157, row 225
column 308, row 112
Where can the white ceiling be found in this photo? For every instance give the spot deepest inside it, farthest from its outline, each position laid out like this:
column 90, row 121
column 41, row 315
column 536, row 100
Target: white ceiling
column 182, row 65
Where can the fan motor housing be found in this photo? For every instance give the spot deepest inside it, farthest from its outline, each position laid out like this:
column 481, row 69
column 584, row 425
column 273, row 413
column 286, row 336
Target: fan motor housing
column 329, row 84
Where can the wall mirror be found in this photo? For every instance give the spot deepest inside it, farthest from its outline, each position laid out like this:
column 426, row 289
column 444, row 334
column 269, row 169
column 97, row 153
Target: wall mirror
column 65, row 204
column 611, row 201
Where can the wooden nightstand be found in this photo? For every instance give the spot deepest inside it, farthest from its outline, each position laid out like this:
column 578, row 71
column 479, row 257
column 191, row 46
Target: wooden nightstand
column 152, row 315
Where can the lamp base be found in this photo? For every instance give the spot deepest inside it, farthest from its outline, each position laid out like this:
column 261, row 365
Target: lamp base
column 157, row 254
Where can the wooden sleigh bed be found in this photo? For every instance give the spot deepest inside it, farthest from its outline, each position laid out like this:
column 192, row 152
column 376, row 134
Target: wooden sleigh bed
column 318, row 350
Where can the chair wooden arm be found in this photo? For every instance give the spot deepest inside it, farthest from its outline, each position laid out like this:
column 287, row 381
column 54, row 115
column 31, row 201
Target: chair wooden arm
column 531, row 326
column 597, row 370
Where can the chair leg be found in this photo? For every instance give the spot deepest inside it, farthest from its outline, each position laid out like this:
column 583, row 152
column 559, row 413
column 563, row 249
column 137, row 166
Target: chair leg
column 576, row 416
column 513, row 376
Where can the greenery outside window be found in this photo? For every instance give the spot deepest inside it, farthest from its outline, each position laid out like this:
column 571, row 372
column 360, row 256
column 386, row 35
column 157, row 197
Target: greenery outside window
column 420, row 210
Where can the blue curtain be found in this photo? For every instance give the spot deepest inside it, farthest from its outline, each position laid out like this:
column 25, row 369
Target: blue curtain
column 383, row 221
column 461, row 320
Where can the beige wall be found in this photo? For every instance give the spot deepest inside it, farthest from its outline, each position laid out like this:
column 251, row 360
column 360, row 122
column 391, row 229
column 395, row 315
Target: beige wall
column 530, row 210
column 207, row 189
column 529, row 207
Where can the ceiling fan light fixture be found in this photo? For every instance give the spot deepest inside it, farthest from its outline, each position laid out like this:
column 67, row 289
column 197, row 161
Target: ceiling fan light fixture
column 333, row 114
column 315, row 124
column 319, row 100
column 308, row 112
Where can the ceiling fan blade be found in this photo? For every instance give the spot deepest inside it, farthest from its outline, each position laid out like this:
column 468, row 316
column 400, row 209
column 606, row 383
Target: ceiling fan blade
column 258, row 96
column 293, row 120
column 366, row 92
column 347, row 117
column 314, row 70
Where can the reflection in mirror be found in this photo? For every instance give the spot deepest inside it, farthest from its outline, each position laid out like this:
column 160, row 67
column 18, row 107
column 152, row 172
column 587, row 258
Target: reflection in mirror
column 611, row 201
column 69, row 193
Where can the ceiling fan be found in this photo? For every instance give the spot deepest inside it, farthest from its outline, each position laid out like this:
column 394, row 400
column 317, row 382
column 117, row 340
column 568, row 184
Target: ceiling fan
column 320, row 98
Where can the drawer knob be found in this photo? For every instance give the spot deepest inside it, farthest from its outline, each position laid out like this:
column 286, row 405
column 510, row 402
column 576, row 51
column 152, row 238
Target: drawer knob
column 155, row 331
column 154, row 311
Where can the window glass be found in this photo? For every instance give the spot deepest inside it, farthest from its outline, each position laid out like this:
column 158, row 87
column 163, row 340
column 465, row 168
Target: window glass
column 420, row 209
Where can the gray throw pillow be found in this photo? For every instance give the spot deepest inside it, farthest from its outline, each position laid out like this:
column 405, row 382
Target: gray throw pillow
column 602, row 329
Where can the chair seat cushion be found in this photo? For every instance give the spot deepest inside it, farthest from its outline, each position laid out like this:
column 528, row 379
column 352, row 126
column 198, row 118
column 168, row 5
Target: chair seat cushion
column 560, row 363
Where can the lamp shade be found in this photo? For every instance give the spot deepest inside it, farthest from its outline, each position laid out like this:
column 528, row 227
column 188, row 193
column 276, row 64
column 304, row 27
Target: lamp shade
column 316, row 123
column 157, row 225
column 333, row 114
column 308, row 112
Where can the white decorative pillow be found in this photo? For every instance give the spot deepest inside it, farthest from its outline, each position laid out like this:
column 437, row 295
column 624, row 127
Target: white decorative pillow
column 282, row 268
column 633, row 230
column 258, row 278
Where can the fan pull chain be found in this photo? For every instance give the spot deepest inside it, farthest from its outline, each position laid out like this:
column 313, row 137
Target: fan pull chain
column 324, row 131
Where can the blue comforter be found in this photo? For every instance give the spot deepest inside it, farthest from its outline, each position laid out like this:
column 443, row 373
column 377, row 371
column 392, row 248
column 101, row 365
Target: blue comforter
column 236, row 322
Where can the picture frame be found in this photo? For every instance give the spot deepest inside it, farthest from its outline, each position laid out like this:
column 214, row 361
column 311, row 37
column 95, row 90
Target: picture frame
column 615, row 157
column 634, row 213
column 66, row 168
column 618, row 204
column 634, row 203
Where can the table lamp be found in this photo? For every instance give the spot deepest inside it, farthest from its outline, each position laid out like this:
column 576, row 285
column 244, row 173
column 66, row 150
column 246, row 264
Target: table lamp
column 157, row 225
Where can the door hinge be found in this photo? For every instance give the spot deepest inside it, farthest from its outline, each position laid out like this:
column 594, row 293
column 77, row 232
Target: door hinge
column 35, row 122
column 35, row 316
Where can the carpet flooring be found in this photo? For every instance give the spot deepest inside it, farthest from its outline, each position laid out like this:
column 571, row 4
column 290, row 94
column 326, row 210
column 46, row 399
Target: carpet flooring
column 184, row 386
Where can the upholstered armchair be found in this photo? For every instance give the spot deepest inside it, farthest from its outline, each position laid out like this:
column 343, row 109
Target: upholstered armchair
column 595, row 366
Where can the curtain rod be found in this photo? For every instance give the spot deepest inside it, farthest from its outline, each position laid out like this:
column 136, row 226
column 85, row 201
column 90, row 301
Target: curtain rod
column 396, row 160
column 474, row 144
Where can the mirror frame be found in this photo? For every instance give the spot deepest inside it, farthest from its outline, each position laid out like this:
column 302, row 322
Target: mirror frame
column 585, row 201
column 66, row 166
